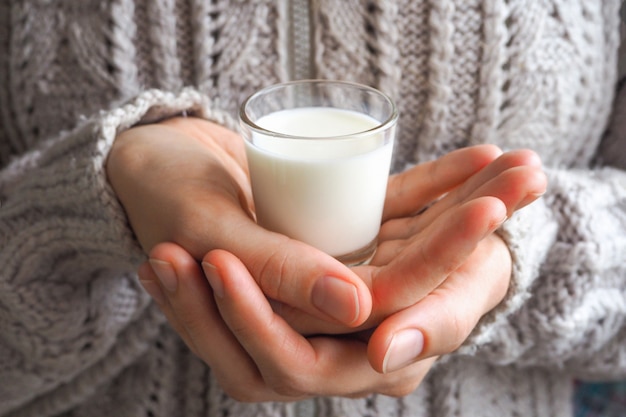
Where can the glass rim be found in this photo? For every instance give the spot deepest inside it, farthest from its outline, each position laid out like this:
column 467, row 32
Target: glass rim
column 393, row 116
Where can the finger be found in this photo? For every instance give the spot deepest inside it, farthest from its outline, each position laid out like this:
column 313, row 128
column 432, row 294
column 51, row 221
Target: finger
column 421, row 266
column 205, row 206
column 469, row 189
column 287, row 270
column 514, row 178
column 150, row 282
column 170, row 253
column 444, row 319
column 303, row 277
column 291, row 365
column 191, row 309
column 516, row 187
column 411, row 190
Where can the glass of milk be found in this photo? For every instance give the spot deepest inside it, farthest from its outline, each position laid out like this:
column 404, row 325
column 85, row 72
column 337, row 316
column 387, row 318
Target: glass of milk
column 319, row 154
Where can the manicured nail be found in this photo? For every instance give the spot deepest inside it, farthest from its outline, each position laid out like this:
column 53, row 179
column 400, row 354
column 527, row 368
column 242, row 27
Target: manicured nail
column 214, row 279
column 166, row 274
column 337, row 298
column 406, row 345
column 154, row 290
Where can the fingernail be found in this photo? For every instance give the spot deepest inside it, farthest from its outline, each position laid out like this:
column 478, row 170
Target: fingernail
column 531, row 197
column 495, row 225
column 154, row 290
column 214, row 279
column 406, row 345
column 500, row 223
column 337, row 298
column 166, row 274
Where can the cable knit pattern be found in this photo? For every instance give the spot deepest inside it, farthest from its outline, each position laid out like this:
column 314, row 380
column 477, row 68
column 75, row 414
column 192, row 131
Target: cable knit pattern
column 71, row 230
column 78, row 336
column 490, row 95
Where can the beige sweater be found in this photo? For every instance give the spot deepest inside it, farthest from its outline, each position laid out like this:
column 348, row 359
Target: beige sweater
column 79, row 337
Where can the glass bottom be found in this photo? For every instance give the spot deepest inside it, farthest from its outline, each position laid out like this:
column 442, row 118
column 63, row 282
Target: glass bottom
column 360, row 256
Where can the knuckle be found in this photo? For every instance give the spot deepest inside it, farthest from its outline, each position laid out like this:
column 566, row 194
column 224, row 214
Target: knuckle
column 403, row 183
column 391, row 248
column 459, row 325
column 460, row 328
column 273, row 270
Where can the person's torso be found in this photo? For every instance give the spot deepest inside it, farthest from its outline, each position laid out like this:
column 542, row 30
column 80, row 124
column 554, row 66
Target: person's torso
column 519, row 74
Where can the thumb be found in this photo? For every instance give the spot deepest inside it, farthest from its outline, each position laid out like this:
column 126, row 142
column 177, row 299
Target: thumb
column 442, row 321
column 301, row 277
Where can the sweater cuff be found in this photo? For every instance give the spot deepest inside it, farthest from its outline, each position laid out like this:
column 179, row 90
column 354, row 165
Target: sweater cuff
column 75, row 307
column 151, row 106
column 529, row 234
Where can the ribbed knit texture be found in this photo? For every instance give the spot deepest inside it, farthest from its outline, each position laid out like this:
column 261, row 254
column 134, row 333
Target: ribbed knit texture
column 78, row 336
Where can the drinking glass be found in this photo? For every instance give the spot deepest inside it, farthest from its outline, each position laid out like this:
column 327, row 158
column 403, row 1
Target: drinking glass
column 319, row 154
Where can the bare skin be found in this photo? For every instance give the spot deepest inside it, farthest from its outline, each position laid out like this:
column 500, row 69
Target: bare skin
column 185, row 182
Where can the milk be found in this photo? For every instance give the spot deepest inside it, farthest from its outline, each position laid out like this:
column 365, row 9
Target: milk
column 327, row 189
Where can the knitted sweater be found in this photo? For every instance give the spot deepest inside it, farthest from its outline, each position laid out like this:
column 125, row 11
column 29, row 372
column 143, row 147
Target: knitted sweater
column 79, row 337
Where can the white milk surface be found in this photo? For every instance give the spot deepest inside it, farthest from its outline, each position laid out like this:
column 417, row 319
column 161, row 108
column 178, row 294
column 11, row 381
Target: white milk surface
column 323, row 191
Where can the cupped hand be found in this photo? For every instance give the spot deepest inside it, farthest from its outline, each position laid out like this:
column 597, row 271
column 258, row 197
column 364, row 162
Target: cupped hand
column 185, row 181
column 447, row 304
column 437, row 241
column 254, row 354
column 450, row 248
column 456, row 217
column 442, row 320
column 438, row 272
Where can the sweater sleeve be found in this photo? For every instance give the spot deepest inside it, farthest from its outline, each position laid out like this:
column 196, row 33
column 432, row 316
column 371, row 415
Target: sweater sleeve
column 72, row 314
column 566, row 307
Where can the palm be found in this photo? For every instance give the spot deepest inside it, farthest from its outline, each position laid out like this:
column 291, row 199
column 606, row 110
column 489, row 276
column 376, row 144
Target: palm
column 418, row 252
column 425, row 264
